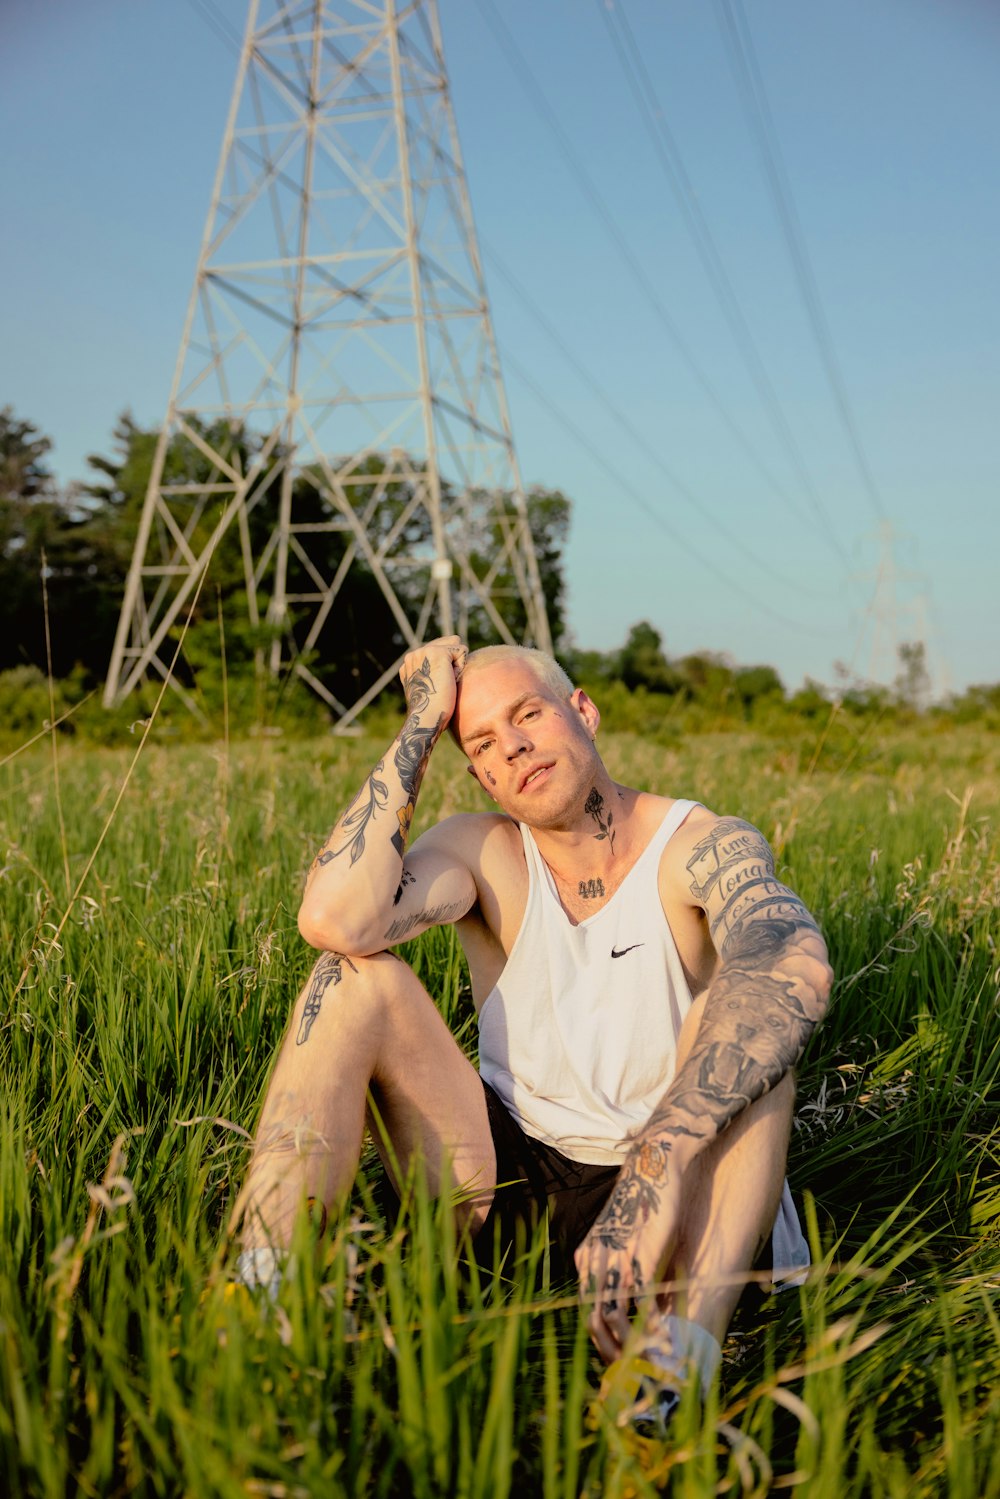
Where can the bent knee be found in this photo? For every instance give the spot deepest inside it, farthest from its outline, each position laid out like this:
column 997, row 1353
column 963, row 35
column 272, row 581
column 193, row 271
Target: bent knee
column 348, row 987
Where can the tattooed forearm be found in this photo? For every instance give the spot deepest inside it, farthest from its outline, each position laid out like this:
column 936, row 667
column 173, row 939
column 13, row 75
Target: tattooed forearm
column 370, row 799
column 418, row 687
column 328, row 970
column 754, row 1030
column 412, row 753
column 432, row 916
column 631, row 1204
column 594, row 807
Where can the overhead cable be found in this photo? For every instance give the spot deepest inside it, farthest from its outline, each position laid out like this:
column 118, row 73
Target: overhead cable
column 705, row 512
column 656, row 515
column 541, row 104
column 753, row 96
column 672, row 163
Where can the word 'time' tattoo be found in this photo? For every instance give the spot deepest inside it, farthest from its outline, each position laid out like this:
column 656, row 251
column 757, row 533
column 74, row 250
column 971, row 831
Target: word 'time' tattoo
column 591, row 889
column 594, row 807
column 328, row 970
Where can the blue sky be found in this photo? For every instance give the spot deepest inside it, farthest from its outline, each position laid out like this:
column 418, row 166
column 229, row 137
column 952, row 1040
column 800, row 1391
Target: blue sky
column 885, row 113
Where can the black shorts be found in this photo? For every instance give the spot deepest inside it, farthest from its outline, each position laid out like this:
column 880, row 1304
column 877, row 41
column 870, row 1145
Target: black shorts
column 534, row 1179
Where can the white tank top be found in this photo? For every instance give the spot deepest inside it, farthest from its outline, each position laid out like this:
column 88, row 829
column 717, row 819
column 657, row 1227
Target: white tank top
column 579, row 1034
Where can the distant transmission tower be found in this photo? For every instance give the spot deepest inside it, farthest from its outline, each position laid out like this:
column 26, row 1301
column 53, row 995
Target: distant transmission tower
column 338, row 313
column 892, row 620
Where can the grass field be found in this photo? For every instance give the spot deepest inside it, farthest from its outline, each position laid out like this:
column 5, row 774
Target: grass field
column 137, row 1035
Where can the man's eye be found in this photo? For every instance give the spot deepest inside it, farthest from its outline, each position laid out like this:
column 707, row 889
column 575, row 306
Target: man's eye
column 484, row 746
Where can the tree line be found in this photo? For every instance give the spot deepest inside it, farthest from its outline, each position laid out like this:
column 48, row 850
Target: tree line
column 81, row 539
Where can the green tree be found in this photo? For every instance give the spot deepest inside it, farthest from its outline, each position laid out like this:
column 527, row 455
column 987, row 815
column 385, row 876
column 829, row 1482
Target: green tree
column 912, row 686
column 37, row 521
column 548, row 520
column 757, row 684
column 642, row 662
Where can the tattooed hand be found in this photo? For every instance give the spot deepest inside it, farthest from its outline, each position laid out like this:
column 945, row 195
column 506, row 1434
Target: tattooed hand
column 429, row 677
column 620, row 1260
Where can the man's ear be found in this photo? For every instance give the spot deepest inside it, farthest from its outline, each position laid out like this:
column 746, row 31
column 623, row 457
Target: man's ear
column 587, row 709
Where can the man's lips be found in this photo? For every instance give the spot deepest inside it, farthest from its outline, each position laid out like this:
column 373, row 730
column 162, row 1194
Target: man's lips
column 533, row 777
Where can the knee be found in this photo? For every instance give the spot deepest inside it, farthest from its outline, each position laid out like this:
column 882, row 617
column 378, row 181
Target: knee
column 353, row 989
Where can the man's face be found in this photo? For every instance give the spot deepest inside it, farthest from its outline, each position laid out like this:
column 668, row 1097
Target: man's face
column 531, row 750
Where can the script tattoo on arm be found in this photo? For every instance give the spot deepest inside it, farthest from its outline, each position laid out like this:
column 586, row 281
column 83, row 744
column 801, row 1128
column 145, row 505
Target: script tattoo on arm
column 328, row 970
column 594, row 807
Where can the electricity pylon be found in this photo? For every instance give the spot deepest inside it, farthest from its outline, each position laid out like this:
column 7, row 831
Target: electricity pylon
column 893, row 623
column 339, row 314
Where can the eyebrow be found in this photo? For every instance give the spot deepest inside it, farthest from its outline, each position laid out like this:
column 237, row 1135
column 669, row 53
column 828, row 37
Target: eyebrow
column 512, row 708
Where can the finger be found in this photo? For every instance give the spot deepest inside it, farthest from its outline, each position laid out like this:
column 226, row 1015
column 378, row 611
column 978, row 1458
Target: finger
column 616, row 1322
column 602, row 1337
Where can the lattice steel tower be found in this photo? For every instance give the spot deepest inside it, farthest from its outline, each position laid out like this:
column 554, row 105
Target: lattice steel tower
column 339, row 314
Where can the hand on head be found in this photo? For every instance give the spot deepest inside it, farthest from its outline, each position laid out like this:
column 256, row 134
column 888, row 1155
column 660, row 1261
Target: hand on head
column 429, row 675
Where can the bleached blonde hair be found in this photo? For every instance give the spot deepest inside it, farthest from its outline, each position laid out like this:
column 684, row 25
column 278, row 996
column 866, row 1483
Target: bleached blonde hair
column 545, row 668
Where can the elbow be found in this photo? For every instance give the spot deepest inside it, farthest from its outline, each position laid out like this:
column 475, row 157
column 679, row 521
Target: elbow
column 819, row 981
column 327, row 933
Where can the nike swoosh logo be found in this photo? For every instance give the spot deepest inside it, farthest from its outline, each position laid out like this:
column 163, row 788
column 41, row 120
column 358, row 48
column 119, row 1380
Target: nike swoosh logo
column 624, row 950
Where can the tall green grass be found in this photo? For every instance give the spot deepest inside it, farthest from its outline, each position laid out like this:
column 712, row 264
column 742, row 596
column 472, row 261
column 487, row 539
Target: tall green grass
column 133, row 1053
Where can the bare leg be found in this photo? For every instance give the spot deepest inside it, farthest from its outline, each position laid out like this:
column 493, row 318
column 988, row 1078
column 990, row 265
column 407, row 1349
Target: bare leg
column 731, row 1197
column 364, row 1024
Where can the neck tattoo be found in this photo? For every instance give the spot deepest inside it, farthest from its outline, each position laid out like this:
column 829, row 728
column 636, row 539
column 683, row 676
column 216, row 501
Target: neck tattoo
column 594, row 807
column 591, row 889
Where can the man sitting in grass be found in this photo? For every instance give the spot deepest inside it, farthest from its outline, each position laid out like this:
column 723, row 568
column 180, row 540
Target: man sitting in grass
column 645, row 986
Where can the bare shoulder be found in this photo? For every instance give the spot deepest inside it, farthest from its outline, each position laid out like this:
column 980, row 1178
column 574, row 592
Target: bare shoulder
column 488, row 846
column 707, row 844
column 472, row 838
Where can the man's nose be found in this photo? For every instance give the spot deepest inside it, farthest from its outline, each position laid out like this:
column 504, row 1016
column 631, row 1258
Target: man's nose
column 514, row 743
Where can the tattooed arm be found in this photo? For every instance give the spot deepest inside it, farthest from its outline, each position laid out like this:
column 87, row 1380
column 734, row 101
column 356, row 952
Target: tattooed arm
column 769, row 993
column 359, row 894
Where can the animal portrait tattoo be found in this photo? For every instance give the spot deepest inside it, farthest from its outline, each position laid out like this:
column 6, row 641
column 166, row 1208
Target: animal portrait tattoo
column 328, row 970
column 594, row 807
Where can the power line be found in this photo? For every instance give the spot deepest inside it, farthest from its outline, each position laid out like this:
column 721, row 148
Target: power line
column 206, row 9
column 539, row 101
column 671, row 161
column 639, row 499
column 753, row 95
column 219, row 23
column 705, row 512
